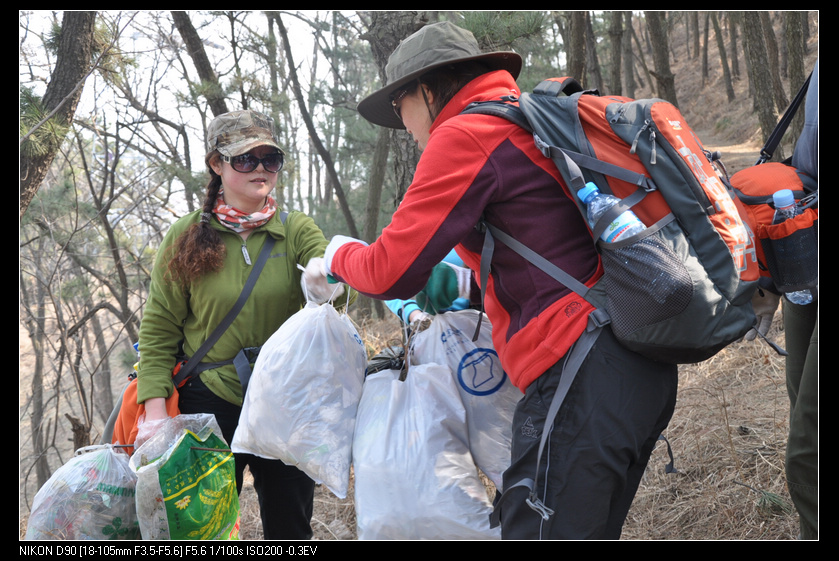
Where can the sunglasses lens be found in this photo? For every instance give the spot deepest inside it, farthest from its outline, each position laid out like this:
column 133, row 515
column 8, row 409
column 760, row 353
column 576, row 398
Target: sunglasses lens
column 245, row 163
column 273, row 162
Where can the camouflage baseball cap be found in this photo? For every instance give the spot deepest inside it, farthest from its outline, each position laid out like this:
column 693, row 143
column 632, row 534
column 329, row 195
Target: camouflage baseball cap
column 237, row 132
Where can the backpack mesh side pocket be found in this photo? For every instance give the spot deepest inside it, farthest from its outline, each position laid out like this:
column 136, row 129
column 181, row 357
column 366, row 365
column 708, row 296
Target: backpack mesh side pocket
column 791, row 249
column 646, row 283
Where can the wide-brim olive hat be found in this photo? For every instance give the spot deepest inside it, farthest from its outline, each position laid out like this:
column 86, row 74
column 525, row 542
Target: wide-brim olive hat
column 238, row 132
column 433, row 46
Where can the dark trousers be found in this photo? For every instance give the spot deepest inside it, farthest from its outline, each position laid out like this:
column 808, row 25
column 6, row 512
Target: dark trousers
column 285, row 494
column 801, row 327
column 602, row 438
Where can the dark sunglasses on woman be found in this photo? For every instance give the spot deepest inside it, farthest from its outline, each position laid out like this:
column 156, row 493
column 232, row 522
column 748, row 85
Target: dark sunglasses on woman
column 246, row 163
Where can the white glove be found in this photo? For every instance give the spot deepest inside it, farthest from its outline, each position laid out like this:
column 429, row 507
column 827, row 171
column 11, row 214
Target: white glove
column 334, row 245
column 419, row 320
column 764, row 304
column 418, row 316
column 464, row 280
column 315, row 285
column 147, row 429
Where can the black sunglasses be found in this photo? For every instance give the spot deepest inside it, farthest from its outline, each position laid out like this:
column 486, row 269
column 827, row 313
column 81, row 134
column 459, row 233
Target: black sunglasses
column 395, row 102
column 397, row 96
column 246, row 163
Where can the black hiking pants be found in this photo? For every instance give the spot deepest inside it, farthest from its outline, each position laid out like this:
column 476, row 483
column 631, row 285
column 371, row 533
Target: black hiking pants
column 602, row 437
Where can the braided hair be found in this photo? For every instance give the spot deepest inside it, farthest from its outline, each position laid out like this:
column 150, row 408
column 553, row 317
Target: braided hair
column 199, row 250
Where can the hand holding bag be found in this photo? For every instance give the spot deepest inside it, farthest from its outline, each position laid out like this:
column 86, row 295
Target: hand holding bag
column 303, row 396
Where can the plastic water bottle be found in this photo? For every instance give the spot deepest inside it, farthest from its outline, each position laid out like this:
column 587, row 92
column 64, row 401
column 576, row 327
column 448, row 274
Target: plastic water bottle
column 785, row 208
column 625, row 225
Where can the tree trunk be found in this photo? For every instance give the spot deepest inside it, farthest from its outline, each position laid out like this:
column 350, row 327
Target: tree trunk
column 641, row 59
column 726, row 75
column 36, row 329
column 374, row 197
column 705, row 50
column 195, row 49
column 595, row 78
column 326, row 157
column 781, row 101
column 693, row 16
column 384, row 32
column 665, row 80
column 733, row 19
column 72, row 64
column 616, row 48
column 793, row 30
column 575, row 51
column 629, row 67
column 102, row 394
column 762, row 82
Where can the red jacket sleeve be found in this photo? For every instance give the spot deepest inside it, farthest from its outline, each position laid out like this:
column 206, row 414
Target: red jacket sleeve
column 441, row 207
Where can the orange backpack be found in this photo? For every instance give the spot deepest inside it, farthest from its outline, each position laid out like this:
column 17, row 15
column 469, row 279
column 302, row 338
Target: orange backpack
column 125, row 428
column 787, row 252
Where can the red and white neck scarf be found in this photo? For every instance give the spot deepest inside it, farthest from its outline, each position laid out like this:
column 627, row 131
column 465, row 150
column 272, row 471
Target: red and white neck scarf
column 239, row 221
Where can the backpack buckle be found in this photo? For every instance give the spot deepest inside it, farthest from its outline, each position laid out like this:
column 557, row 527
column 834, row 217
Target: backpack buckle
column 542, row 146
column 538, row 506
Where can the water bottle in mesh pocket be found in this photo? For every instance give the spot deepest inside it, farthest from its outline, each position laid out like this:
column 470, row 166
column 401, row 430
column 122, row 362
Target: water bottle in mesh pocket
column 791, row 249
column 646, row 283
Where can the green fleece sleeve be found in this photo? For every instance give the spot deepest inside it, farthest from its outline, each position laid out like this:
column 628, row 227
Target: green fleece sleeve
column 161, row 329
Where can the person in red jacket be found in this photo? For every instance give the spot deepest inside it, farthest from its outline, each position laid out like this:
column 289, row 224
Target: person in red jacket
column 480, row 166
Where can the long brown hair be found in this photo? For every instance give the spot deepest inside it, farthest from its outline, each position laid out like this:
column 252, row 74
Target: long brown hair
column 199, row 250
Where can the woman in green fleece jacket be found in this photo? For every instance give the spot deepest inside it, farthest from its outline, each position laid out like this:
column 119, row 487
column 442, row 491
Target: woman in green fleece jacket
column 199, row 273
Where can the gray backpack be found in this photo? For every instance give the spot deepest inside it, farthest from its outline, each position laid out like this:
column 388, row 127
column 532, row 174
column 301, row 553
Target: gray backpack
column 681, row 290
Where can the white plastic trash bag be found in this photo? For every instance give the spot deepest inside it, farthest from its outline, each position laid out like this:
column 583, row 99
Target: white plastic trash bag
column 90, row 497
column 414, row 475
column 302, row 398
column 186, row 482
column 487, row 393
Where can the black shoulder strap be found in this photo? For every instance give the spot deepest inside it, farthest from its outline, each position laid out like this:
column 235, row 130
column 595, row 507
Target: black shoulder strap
column 500, row 108
column 776, row 135
column 195, row 359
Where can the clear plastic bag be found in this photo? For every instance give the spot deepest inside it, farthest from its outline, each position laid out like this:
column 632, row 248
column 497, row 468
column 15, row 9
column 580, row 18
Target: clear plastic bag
column 488, row 395
column 414, row 475
column 186, row 482
column 301, row 403
column 91, row 497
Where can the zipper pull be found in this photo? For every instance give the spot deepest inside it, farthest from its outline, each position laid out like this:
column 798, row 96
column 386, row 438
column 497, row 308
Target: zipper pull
column 245, row 253
column 637, row 136
column 652, row 143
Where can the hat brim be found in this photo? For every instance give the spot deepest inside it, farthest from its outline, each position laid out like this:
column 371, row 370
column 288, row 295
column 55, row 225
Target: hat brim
column 246, row 145
column 377, row 107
